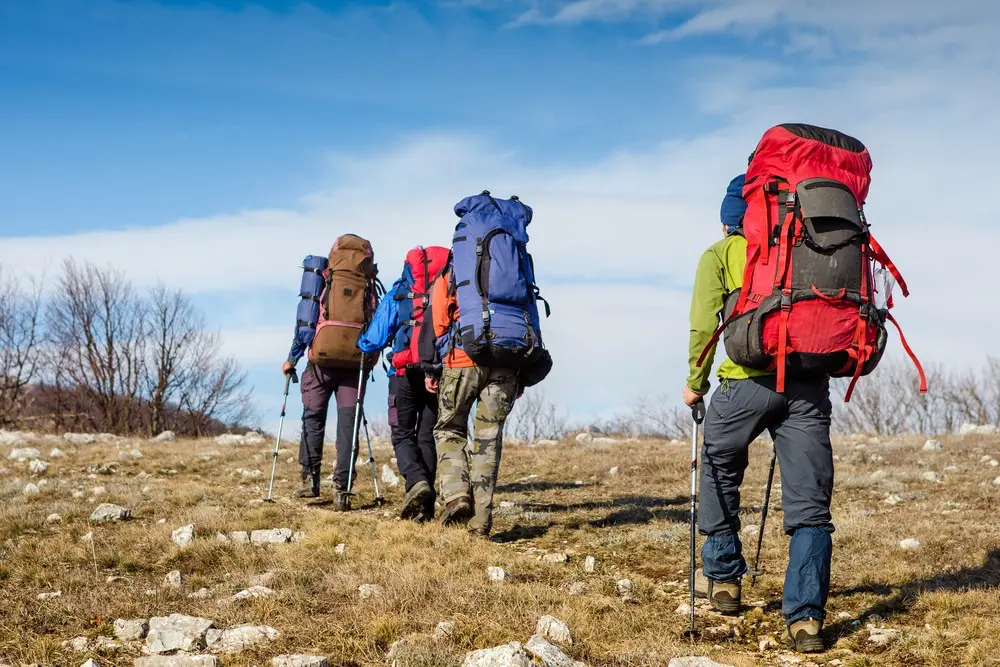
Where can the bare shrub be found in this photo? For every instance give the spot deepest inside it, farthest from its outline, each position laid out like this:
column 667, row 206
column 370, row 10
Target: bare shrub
column 536, row 418
column 20, row 346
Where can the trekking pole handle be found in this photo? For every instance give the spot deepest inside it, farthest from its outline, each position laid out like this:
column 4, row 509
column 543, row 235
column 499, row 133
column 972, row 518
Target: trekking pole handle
column 291, row 377
column 698, row 411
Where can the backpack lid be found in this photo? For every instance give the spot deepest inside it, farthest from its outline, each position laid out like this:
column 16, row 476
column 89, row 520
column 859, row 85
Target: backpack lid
column 350, row 252
column 486, row 203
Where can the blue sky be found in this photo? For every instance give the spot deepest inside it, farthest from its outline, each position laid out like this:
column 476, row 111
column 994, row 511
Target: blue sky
column 179, row 140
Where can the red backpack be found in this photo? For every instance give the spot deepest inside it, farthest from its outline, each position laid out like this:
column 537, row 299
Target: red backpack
column 809, row 302
column 420, row 269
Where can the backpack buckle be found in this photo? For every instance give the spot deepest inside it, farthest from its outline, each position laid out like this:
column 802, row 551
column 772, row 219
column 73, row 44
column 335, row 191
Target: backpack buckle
column 786, row 300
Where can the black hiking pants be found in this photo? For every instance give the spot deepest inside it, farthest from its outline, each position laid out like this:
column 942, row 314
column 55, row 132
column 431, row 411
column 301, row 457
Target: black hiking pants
column 319, row 386
column 412, row 415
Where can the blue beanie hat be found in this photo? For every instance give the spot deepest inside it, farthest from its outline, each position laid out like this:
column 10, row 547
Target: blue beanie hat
column 733, row 205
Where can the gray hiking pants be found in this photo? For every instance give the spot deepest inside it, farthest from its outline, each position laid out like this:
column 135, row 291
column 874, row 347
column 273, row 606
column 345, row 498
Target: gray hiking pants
column 799, row 423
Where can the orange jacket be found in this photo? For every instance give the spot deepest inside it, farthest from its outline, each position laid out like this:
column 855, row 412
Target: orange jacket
column 435, row 340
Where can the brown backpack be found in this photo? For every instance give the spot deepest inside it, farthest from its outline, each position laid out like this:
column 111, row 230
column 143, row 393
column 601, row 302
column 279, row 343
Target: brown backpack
column 346, row 305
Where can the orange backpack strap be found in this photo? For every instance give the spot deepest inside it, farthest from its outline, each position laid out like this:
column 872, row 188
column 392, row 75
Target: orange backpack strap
column 878, row 254
column 909, row 352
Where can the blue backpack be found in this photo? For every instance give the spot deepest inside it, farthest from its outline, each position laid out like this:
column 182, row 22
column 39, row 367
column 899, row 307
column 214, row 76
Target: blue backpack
column 493, row 278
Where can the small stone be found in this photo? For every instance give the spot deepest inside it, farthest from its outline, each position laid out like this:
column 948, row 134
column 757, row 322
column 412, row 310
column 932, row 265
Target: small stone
column 183, row 536
column 108, row 513
column 50, row 596
column 766, row 644
column 240, row 537
column 396, row 650
column 78, row 644
column 369, row 591
column 893, row 499
column 986, row 458
column 243, row 637
column 166, row 436
column 996, row 482
column 584, row 438
column 56, row 453
column 290, row 460
column 340, row 549
column 300, row 661
column 253, row 592
column 910, row 543
column 750, row 530
column 177, row 661
column 683, row 610
column 555, row 630
column 262, row 579
column 497, row 574
column 298, row 536
column 116, row 579
column 878, row 475
column 200, row 594
column 177, row 632
column 589, row 564
column 951, row 469
column 577, row 588
column 549, row 654
column 88, row 537
column 161, row 522
column 98, row 491
column 173, row 579
column 37, row 467
column 626, row 587
column 933, row 446
column 614, row 471
column 444, row 630
column 931, row 476
column 272, row 536
column 511, row 655
column 53, row 518
column 22, row 454
column 131, row 630
column 389, row 478
column 555, row 558
column 31, row 489
column 882, row 636
column 695, row 661
column 77, row 495
column 994, row 463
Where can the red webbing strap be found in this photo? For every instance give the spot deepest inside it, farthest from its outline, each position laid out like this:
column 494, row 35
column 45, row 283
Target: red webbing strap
column 860, row 356
column 878, row 254
column 782, row 350
column 913, row 357
column 715, row 337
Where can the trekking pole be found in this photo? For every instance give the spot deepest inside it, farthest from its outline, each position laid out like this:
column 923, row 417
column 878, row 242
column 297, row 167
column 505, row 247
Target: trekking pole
column 756, row 571
column 697, row 415
column 289, row 378
column 357, row 424
column 379, row 500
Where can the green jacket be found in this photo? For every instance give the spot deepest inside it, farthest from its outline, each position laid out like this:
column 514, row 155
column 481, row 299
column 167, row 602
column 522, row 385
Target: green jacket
column 720, row 272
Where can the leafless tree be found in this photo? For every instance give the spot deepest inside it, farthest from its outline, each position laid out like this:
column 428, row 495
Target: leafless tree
column 178, row 343
column 98, row 343
column 216, row 391
column 20, row 348
column 660, row 417
column 536, row 418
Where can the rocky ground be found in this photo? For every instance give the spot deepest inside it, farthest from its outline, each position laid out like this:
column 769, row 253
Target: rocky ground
column 161, row 553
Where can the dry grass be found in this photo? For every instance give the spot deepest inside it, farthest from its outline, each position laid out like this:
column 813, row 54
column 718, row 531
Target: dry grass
column 943, row 597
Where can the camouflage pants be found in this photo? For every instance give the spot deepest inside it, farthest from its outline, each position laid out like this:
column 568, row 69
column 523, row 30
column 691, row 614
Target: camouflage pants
column 470, row 468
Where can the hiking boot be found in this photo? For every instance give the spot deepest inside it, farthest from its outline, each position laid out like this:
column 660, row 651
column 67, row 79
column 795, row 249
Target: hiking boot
column 429, row 509
column 415, row 501
column 724, row 596
column 457, row 512
column 310, row 480
column 804, row 636
column 343, row 501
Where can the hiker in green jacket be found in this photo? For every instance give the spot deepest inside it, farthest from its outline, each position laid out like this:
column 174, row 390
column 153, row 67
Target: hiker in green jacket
column 744, row 406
